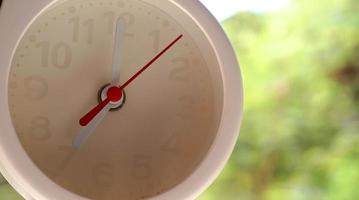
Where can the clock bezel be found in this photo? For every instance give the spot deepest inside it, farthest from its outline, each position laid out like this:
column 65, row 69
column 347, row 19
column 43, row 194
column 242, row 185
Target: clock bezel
column 31, row 183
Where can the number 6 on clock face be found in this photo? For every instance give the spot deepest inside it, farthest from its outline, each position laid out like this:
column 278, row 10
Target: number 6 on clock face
column 163, row 132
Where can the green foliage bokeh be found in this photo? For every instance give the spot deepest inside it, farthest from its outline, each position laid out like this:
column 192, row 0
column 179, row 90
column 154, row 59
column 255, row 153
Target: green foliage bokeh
column 300, row 134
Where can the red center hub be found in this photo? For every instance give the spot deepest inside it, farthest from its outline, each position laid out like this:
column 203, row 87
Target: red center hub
column 114, row 94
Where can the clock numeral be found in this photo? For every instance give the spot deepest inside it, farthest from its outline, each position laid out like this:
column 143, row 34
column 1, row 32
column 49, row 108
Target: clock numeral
column 187, row 104
column 45, row 51
column 69, row 153
column 142, row 168
column 61, row 51
column 181, row 70
column 36, row 87
column 128, row 20
column 61, row 159
column 76, row 27
column 170, row 145
column 103, row 175
column 156, row 34
column 61, row 54
column 40, row 128
column 90, row 24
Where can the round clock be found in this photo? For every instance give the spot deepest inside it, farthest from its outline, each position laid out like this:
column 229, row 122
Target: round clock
column 115, row 99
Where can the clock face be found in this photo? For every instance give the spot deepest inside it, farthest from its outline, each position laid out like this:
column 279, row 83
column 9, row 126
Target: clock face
column 163, row 130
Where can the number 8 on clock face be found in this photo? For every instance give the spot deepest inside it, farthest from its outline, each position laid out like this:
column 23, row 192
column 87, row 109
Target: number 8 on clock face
column 117, row 99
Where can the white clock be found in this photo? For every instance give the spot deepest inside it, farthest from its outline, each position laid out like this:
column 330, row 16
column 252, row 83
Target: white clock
column 115, row 99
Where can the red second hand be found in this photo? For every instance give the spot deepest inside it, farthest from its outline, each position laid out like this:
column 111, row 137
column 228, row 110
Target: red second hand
column 151, row 62
column 92, row 114
column 85, row 120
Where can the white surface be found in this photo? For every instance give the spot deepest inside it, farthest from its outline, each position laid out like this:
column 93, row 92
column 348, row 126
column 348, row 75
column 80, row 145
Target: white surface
column 31, row 183
column 223, row 9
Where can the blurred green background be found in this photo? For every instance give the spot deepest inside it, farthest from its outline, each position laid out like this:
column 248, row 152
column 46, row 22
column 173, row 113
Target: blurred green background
column 300, row 134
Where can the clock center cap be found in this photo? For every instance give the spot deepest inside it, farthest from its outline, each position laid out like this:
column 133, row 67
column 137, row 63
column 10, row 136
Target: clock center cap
column 114, row 94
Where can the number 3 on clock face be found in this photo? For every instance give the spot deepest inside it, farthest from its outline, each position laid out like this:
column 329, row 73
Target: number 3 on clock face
column 115, row 99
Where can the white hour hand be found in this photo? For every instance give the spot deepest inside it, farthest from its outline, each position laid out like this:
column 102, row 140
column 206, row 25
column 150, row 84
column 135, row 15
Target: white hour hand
column 86, row 131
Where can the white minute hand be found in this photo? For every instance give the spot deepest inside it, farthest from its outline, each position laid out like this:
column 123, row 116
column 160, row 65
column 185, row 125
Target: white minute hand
column 86, row 131
column 117, row 53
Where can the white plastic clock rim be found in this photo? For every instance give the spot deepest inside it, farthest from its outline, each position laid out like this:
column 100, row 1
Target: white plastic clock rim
column 17, row 15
